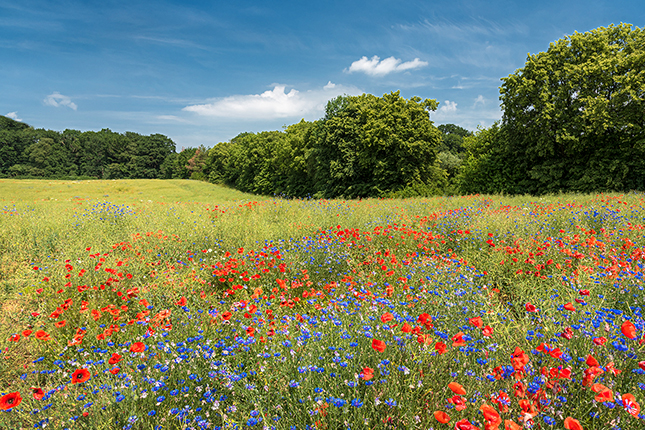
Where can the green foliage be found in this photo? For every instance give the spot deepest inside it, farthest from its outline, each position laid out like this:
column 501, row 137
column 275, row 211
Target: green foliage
column 574, row 115
column 28, row 152
column 370, row 146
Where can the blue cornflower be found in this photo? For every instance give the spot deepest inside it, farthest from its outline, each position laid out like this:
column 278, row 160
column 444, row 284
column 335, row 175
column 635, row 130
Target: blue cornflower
column 357, row 403
column 152, row 413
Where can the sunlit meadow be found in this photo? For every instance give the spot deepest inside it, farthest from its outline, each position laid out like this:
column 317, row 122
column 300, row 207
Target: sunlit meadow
column 182, row 305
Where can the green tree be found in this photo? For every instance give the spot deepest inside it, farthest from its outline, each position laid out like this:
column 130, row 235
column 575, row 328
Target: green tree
column 574, row 116
column 370, row 146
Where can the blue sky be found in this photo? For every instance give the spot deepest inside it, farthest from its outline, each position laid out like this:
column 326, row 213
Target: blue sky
column 202, row 72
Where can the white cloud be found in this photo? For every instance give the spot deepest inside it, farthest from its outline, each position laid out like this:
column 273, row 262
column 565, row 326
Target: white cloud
column 480, row 100
column 56, row 99
column 448, row 107
column 271, row 104
column 13, row 115
column 376, row 67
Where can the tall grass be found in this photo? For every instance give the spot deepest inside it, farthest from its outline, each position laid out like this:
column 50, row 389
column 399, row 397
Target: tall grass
column 126, row 305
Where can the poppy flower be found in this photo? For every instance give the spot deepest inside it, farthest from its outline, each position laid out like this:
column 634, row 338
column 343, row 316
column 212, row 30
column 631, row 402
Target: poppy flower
column 458, row 339
column 477, row 322
column 599, row 340
column 38, row 393
column 465, row 425
column 530, row 308
column 182, row 301
column 457, row 388
column 368, row 373
column 511, row 425
column 604, row 394
column 493, row 420
column 226, row 315
column 591, row 361
column 487, row 331
column 26, row 333
column 440, row 347
column 42, row 335
column 569, row 307
column 459, row 402
column 572, row 424
column 114, row 370
column 442, row 417
column 80, row 375
column 138, row 347
column 630, row 405
column 378, row 345
column 9, row 401
column 386, row 317
column 114, row 359
column 60, row 324
column 628, row 329
column 14, row 337
column 406, row 328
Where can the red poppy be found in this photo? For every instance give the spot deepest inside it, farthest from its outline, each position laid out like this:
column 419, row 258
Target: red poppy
column 493, row 420
column 406, row 328
column 38, row 393
column 457, row 388
column 599, row 340
column 440, row 347
column 368, row 373
column 487, row 331
column 572, row 424
column 181, row 302
column 42, row 335
column 442, row 417
column 9, row 401
column 630, row 405
column 114, row 370
column 511, row 425
column 250, row 331
column 465, row 425
column 530, row 308
column 60, row 324
column 14, row 337
column 227, row 315
column 378, row 345
column 459, row 402
column 138, row 347
column 386, row 317
column 591, row 361
column 569, row 307
column 26, row 333
column 477, row 322
column 80, row 375
column 628, row 329
column 458, row 339
column 114, row 359
column 604, row 393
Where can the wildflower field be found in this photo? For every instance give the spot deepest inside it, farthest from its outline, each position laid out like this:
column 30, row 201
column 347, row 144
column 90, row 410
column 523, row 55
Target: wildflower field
column 183, row 305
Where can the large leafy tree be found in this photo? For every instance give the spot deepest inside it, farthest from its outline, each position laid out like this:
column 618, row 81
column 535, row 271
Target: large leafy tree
column 574, row 116
column 370, row 146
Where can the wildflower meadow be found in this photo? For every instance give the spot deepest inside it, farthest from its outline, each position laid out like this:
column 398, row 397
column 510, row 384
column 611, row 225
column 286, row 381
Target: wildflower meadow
column 184, row 305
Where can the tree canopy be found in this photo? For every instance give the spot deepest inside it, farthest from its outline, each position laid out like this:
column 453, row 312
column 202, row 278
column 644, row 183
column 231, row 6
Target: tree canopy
column 574, row 116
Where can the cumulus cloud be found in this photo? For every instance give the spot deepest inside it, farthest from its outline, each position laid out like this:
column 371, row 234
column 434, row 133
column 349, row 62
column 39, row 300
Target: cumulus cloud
column 56, row 99
column 13, row 115
column 480, row 100
column 272, row 104
column 448, row 107
column 377, row 67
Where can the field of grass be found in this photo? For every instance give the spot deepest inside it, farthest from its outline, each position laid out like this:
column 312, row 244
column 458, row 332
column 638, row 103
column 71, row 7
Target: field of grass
column 182, row 305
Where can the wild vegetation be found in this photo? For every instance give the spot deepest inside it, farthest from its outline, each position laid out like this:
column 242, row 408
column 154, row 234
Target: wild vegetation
column 124, row 308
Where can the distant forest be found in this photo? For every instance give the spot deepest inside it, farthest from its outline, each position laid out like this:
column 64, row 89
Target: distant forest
column 365, row 146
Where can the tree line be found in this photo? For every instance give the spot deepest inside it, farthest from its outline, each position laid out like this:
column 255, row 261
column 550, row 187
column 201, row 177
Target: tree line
column 573, row 121
column 40, row 153
column 364, row 146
